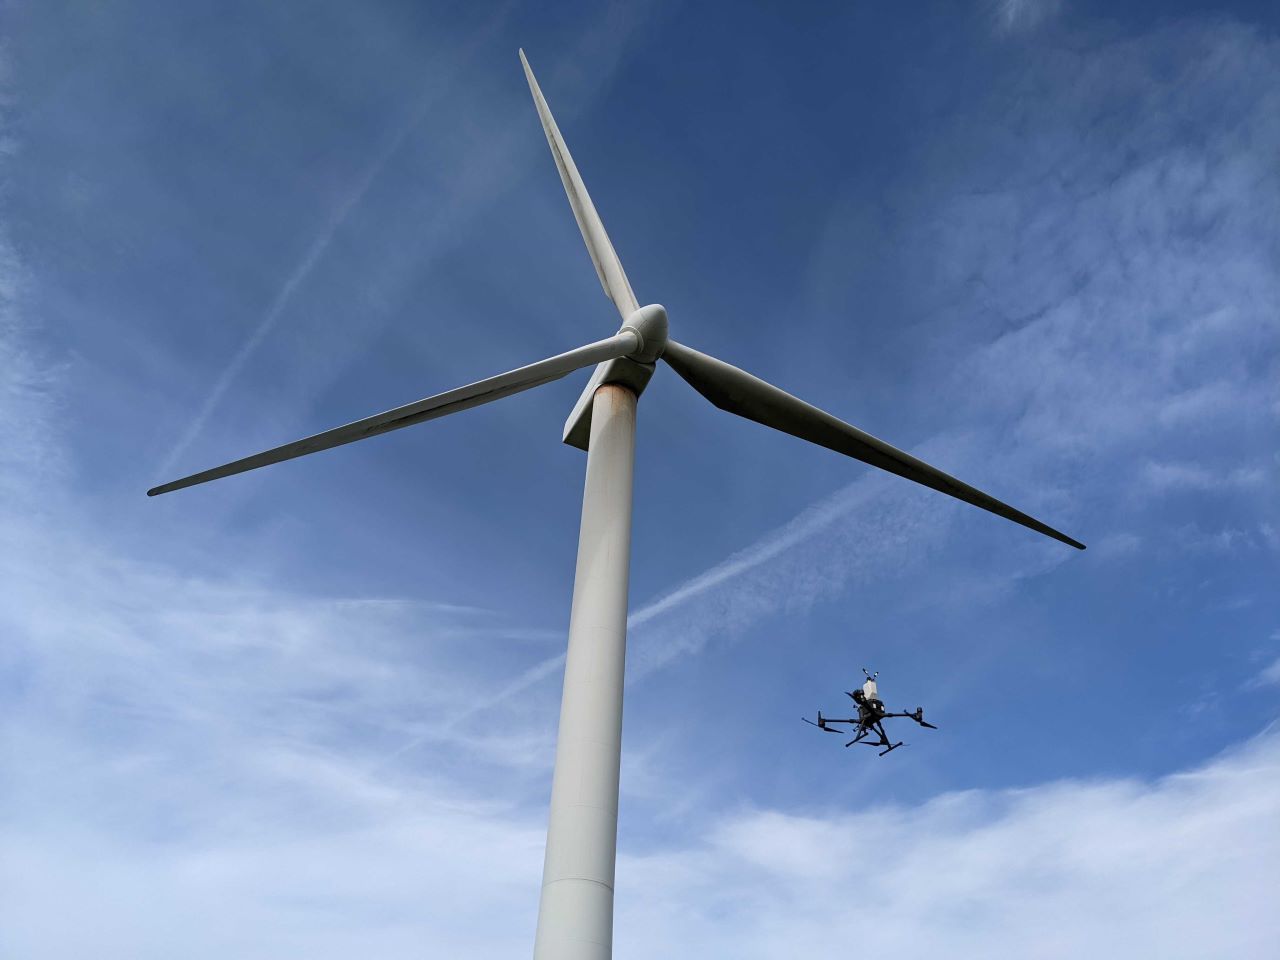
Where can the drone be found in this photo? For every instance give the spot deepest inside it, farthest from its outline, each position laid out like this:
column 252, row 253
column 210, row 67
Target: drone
column 871, row 713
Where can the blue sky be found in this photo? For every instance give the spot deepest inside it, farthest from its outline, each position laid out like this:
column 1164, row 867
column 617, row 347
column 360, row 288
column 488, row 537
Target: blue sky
column 312, row 709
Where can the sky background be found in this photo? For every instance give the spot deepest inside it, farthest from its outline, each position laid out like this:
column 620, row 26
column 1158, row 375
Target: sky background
column 310, row 711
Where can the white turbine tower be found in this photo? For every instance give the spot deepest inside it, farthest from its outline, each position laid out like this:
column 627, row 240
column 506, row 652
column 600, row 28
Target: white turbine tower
column 575, row 915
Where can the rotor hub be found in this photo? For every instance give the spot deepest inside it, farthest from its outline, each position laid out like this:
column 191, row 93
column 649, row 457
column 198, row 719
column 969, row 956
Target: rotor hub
column 649, row 324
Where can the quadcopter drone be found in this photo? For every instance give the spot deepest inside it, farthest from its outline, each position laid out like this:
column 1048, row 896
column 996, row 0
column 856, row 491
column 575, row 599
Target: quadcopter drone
column 871, row 713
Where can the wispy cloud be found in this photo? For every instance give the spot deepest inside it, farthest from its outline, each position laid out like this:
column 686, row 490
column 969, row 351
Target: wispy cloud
column 811, row 522
column 30, row 451
column 1270, row 676
column 1009, row 17
column 1171, row 476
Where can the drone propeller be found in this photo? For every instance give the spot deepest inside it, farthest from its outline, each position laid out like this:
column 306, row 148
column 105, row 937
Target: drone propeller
column 823, row 721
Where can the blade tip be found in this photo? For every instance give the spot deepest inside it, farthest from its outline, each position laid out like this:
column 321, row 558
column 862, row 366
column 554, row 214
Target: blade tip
column 1069, row 541
column 169, row 487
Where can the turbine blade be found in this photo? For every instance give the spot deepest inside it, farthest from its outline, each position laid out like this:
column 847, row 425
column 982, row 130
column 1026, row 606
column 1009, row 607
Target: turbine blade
column 441, row 405
column 737, row 391
column 608, row 267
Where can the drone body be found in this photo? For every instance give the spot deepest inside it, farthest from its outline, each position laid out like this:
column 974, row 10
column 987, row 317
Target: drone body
column 870, row 718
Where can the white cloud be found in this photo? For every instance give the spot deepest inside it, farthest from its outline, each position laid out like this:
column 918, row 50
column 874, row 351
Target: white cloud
column 1270, row 676
column 434, row 882
column 1174, row 868
column 1021, row 16
column 1173, row 476
column 1119, row 544
column 1193, row 538
column 197, row 765
column 182, row 778
column 203, row 766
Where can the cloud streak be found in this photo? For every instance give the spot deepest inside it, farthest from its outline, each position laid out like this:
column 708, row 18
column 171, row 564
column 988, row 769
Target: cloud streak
column 319, row 246
column 1014, row 17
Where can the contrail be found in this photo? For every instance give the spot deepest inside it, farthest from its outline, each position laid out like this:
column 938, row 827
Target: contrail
column 809, row 523
column 800, row 528
column 315, row 253
column 269, row 320
column 531, row 677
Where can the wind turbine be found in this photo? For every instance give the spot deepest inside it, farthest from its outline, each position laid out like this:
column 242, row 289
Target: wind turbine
column 575, row 914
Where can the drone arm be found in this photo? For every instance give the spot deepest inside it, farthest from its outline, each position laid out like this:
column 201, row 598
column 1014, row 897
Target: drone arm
column 824, row 723
column 917, row 716
column 738, row 392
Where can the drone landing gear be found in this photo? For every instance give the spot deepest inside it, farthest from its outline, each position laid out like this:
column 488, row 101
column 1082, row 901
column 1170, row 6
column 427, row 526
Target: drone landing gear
column 877, row 743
